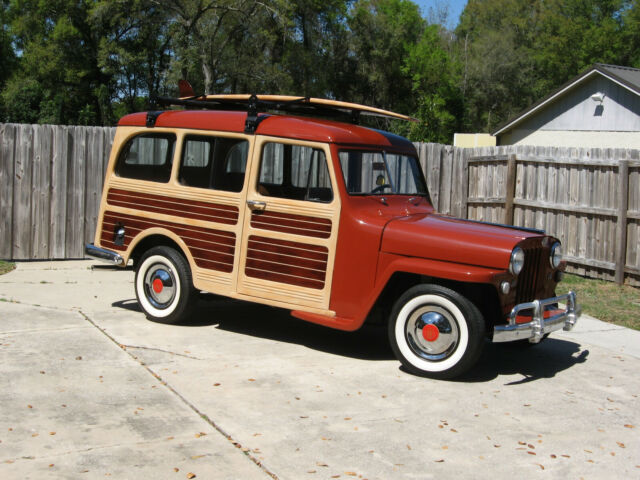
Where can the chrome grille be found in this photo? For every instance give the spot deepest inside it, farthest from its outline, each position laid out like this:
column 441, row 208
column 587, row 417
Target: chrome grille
column 531, row 275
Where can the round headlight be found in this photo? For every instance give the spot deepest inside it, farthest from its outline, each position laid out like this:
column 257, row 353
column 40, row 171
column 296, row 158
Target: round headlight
column 556, row 255
column 517, row 261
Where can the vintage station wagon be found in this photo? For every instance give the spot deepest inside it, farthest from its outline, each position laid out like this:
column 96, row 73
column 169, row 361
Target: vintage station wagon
column 328, row 219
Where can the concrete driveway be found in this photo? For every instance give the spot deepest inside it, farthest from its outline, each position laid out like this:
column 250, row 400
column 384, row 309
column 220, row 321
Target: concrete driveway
column 89, row 388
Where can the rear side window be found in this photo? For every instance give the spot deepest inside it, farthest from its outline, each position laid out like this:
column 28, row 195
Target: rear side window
column 147, row 157
column 213, row 162
column 294, row 172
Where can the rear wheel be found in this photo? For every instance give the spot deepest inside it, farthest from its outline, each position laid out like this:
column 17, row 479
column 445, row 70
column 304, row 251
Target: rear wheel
column 436, row 332
column 163, row 284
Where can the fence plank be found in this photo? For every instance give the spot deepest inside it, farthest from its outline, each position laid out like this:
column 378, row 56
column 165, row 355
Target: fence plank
column 621, row 244
column 510, row 190
column 93, row 187
column 22, row 193
column 7, row 162
column 59, row 165
column 76, row 171
column 41, row 191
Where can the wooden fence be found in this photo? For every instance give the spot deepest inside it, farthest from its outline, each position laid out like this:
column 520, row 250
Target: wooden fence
column 50, row 189
column 588, row 198
column 51, row 181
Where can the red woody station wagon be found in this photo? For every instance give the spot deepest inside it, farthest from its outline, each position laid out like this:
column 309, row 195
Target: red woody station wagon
column 325, row 218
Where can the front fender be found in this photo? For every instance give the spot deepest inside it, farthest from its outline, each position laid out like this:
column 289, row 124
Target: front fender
column 390, row 263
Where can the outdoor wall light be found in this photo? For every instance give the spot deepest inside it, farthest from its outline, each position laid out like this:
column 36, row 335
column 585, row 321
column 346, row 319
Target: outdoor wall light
column 598, row 97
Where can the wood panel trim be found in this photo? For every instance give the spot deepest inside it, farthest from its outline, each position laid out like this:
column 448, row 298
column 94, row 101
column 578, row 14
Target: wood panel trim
column 209, row 248
column 289, row 223
column 197, row 210
column 287, row 262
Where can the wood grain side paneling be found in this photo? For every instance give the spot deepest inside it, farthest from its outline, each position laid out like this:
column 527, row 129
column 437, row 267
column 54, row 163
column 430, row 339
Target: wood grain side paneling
column 288, row 223
column 211, row 249
column 287, row 262
column 210, row 212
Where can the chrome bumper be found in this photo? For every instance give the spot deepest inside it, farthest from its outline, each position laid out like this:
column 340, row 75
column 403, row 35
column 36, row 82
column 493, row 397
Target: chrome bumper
column 102, row 254
column 539, row 326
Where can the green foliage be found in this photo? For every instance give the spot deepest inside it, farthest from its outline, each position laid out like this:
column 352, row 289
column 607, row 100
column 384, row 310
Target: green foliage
column 516, row 51
column 92, row 61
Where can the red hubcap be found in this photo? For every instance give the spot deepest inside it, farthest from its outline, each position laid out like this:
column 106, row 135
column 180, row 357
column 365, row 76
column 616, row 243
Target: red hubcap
column 157, row 285
column 430, row 333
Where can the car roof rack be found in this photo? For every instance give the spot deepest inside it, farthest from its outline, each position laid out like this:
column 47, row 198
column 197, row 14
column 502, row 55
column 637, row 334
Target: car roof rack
column 254, row 104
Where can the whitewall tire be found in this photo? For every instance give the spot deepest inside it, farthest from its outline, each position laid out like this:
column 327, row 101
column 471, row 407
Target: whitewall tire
column 436, row 332
column 164, row 286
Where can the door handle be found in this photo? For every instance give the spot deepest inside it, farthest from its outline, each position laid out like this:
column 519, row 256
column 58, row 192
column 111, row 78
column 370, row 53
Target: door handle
column 256, row 205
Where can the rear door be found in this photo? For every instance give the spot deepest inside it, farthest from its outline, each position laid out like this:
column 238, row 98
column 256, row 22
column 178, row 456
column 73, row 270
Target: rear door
column 290, row 226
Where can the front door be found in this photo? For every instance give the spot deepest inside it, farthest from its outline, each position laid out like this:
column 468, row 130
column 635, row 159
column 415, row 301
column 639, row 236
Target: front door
column 290, row 226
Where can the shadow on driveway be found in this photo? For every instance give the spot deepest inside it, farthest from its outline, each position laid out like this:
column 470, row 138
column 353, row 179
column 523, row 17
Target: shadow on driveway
column 533, row 362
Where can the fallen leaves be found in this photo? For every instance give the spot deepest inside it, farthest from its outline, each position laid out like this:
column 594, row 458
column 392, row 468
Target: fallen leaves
column 627, row 425
column 191, row 475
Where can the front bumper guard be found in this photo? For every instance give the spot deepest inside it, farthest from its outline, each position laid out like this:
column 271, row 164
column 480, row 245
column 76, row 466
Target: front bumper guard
column 103, row 254
column 545, row 318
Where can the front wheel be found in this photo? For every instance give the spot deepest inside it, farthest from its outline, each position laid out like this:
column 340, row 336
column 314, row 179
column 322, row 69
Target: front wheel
column 164, row 288
column 436, row 332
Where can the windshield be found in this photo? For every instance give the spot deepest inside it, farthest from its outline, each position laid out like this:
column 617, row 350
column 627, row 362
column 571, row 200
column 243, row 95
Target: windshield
column 379, row 173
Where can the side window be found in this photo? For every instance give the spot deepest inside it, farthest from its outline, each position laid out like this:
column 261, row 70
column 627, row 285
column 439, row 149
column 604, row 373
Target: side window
column 294, row 172
column 147, row 157
column 213, row 162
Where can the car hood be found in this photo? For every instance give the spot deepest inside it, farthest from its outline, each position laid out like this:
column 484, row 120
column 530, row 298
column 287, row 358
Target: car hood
column 451, row 239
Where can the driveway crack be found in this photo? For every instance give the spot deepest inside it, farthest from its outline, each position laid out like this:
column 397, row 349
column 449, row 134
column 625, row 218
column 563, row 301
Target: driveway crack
column 140, row 347
column 202, row 415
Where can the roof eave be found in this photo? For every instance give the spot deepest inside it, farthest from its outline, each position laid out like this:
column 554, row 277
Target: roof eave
column 597, row 68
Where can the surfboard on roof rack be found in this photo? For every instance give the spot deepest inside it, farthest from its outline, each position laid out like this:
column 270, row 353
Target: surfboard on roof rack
column 254, row 104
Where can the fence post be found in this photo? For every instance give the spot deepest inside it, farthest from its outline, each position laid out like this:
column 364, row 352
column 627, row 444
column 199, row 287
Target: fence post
column 464, row 191
column 621, row 230
column 511, row 190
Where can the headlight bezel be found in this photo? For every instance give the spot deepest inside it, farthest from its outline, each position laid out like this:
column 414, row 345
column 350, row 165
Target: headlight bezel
column 555, row 255
column 516, row 262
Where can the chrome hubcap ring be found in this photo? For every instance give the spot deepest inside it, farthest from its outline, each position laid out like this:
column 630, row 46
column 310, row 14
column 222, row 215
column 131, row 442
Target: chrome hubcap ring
column 160, row 285
column 432, row 333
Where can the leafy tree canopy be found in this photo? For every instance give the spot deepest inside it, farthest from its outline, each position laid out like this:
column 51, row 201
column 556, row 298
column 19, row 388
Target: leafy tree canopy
column 91, row 61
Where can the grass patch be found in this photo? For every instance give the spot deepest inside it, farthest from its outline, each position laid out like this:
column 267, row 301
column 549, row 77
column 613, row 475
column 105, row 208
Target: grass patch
column 605, row 301
column 6, row 267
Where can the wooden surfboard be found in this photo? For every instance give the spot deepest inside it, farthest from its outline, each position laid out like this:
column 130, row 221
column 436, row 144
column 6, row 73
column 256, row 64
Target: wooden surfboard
column 289, row 102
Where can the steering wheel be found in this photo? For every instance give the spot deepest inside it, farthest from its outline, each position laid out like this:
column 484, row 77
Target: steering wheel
column 380, row 188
